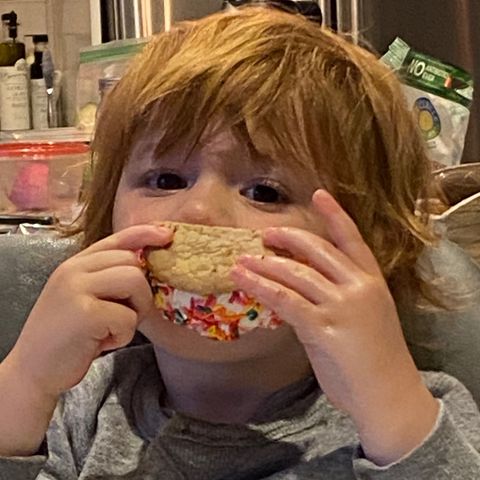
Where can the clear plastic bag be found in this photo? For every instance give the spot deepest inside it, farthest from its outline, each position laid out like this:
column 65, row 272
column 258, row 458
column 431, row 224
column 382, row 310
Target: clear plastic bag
column 459, row 219
column 98, row 64
column 459, row 182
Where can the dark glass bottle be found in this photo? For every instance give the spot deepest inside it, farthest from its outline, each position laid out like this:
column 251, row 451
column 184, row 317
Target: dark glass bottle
column 40, row 44
column 11, row 50
column 38, row 87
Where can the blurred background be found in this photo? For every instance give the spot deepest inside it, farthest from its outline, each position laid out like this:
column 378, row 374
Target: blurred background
column 446, row 29
column 59, row 58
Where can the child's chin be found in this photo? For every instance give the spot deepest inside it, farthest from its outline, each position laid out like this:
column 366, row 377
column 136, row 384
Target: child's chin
column 181, row 341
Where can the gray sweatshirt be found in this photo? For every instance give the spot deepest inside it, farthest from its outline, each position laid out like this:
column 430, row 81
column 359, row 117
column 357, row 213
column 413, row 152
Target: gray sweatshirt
column 112, row 426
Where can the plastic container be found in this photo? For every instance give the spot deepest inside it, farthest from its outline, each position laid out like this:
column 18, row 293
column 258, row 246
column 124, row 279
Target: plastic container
column 101, row 65
column 42, row 177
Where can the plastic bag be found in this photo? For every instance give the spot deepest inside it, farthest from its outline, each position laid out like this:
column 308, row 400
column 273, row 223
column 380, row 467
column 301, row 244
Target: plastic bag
column 439, row 94
column 455, row 209
column 459, row 182
column 101, row 65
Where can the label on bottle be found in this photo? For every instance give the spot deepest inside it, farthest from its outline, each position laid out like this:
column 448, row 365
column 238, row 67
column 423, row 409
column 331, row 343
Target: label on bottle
column 14, row 104
column 39, row 100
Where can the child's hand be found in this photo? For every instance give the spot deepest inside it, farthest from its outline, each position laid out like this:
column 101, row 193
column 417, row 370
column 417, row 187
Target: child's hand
column 336, row 299
column 93, row 302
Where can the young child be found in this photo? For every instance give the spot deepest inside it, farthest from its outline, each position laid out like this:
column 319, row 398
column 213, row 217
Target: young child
column 245, row 119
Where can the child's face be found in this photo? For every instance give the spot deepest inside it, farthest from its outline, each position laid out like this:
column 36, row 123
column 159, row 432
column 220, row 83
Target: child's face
column 220, row 183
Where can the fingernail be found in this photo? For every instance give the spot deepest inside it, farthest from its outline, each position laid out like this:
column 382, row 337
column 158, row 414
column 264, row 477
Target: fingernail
column 140, row 254
column 237, row 271
column 268, row 233
column 246, row 259
column 322, row 194
column 162, row 227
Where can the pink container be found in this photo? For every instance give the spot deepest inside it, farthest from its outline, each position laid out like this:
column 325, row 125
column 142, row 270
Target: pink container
column 42, row 177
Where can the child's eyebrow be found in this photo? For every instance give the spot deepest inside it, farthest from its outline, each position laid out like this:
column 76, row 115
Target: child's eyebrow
column 150, row 153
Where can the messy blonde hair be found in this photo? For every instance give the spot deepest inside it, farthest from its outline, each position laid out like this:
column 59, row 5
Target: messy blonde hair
column 300, row 94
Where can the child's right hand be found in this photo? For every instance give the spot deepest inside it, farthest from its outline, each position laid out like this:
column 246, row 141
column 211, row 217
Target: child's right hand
column 92, row 303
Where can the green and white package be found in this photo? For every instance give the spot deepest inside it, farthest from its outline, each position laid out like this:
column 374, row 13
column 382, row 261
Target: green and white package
column 439, row 94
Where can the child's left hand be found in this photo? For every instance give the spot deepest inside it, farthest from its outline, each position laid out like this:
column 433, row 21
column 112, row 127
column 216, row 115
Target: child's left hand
column 336, row 299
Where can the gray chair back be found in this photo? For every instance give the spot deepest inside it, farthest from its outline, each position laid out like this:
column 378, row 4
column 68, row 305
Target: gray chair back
column 26, row 263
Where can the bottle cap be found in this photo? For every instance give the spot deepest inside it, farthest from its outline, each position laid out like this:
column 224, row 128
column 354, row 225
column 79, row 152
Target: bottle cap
column 11, row 18
column 41, row 38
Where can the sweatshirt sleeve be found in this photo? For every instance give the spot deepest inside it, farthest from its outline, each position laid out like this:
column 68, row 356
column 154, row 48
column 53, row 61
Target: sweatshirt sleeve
column 450, row 452
column 54, row 461
column 24, row 468
column 70, row 432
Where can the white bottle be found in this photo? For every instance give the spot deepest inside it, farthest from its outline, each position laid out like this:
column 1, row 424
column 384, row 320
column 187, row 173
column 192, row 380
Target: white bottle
column 39, row 101
column 14, row 104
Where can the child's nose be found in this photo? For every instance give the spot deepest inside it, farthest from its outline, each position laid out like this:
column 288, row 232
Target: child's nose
column 208, row 205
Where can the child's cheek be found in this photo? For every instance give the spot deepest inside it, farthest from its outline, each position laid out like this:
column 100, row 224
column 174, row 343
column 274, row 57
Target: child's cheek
column 122, row 219
column 131, row 208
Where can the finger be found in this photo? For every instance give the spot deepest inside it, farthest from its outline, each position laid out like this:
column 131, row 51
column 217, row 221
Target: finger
column 115, row 325
column 320, row 254
column 300, row 278
column 344, row 232
column 287, row 304
column 132, row 238
column 98, row 261
column 126, row 284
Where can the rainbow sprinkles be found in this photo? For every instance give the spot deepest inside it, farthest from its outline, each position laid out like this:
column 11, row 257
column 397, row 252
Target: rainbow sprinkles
column 223, row 317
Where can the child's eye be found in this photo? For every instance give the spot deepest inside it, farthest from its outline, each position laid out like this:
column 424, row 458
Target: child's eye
column 169, row 181
column 264, row 193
